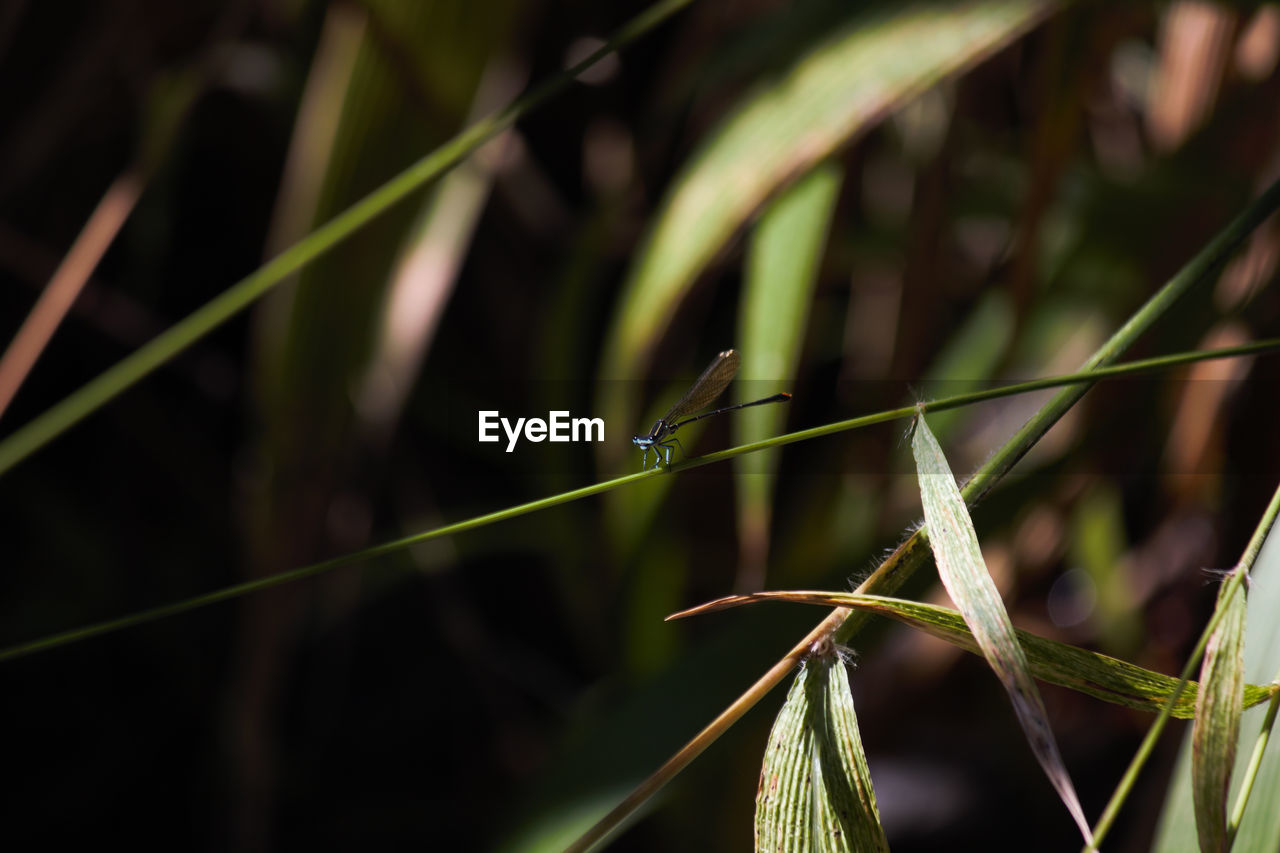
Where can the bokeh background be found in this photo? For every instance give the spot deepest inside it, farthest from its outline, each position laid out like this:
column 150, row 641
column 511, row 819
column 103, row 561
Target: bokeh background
column 1010, row 199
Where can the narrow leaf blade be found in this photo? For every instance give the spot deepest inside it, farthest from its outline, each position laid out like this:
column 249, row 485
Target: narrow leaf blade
column 1259, row 829
column 1216, row 730
column 782, row 270
column 845, row 82
column 1092, row 673
column 964, row 574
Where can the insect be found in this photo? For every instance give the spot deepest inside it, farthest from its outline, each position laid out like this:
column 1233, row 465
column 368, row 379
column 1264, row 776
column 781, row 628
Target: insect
column 702, row 393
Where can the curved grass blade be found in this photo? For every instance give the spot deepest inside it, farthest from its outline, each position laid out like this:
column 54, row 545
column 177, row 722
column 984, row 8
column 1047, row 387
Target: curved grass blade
column 1256, row 829
column 1219, row 706
column 815, row 788
column 872, row 63
column 1092, row 673
column 314, row 342
column 964, row 574
column 782, row 271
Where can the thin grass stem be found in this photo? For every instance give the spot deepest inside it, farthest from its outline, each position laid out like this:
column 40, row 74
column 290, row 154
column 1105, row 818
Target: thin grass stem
column 237, row 590
column 1255, row 763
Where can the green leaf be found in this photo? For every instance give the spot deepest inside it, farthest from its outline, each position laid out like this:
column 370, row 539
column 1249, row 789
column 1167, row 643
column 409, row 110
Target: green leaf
column 873, row 63
column 1217, row 726
column 964, row 574
column 315, row 341
column 782, row 270
column 815, row 789
column 1259, row 830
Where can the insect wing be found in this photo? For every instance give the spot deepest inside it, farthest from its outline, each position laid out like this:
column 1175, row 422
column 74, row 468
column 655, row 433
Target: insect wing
column 709, row 385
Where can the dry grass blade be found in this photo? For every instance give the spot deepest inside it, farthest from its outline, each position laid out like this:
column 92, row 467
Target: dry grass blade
column 1098, row 675
column 964, row 574
column 1217, row 727
column 67, row 282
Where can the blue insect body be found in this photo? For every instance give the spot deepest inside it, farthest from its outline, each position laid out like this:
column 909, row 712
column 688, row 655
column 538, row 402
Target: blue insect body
column 706, row 389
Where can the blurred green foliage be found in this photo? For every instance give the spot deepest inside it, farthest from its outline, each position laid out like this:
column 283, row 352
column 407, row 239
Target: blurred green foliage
column 999, row 184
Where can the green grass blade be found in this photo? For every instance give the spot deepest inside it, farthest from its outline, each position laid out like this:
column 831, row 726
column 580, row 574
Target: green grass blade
column 1127, row 781
column 1092, row 673
column 1258, row 827
column 313, row 343
column 782, row 271
column 265, row 582
column 119, row 378
column 873, row 63
column 1252, row 775
column 964, row 574
column 1084, row 377
column 815, row 788
column 869, row 64
column 1217, row 725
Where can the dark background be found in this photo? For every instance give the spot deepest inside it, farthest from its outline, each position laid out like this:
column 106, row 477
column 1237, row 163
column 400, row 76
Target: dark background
column 454, row 695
